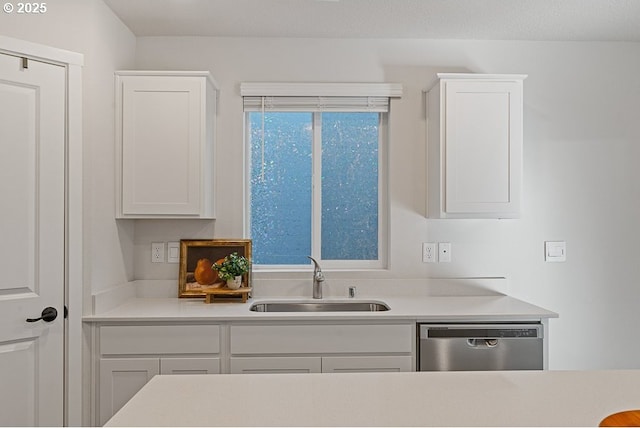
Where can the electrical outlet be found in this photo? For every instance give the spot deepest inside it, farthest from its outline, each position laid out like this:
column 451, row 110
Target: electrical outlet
column 157, row 252
column 444, row 252
column 428, row 252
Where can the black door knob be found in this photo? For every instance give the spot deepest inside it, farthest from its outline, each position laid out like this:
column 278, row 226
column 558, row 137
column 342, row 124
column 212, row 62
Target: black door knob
column 48, row 315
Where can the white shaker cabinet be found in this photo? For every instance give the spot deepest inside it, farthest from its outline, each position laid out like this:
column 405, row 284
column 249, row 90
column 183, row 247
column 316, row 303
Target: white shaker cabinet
column 120, row 379
column 326, row 348
column 474, row 149
column 128, row 356
column 165, row 144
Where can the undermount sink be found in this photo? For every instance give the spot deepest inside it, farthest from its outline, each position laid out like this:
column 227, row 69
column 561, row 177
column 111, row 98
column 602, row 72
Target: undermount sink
column 359, row 306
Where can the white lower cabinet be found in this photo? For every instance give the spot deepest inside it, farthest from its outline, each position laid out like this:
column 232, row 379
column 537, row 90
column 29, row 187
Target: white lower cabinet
column 326, row 348
column 120, row 379
column 130, row 355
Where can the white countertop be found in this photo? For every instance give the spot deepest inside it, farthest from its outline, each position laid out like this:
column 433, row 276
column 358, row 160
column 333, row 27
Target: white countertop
column 452, row 299
column 414, row 308
column 526, row 398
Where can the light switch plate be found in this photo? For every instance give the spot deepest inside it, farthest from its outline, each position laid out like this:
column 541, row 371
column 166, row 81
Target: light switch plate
column 173, row 252
column 555, row 251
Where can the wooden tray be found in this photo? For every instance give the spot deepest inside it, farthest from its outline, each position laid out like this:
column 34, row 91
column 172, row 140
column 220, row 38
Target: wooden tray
column 218, row 295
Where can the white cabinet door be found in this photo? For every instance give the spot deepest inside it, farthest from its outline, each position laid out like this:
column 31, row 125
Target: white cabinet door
column 483, row 147
column 189, row 366
column 165, row 144
column 248, row 365
column 120, row 379
column 361, row 364
column 475, row 146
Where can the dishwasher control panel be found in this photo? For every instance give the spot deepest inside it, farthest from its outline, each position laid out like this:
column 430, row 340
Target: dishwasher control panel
column 482, row 332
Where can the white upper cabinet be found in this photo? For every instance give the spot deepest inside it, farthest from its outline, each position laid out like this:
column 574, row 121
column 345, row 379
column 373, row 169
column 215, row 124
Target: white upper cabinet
column 474, row 150
column 165, row 144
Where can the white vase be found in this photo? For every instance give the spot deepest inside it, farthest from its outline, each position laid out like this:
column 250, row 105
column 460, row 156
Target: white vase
column 234, row 283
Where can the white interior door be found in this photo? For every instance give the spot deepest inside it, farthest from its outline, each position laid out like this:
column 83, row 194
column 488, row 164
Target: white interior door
column 32, row 255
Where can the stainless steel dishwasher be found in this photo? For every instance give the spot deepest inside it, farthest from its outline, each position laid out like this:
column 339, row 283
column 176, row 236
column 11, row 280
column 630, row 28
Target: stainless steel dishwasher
column 459, row 347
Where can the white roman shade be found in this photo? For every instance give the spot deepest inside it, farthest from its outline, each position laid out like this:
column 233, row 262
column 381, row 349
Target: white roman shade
column 319, row 97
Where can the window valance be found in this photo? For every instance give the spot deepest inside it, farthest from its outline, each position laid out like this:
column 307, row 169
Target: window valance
column 345, row 97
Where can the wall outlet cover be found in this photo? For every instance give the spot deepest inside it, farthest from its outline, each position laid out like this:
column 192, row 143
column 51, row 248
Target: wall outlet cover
column 157, row 252
column 428, row 252
column 444, row 252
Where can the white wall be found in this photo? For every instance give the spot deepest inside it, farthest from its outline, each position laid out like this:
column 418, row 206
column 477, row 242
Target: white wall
column 90, row 27
column 581, row 179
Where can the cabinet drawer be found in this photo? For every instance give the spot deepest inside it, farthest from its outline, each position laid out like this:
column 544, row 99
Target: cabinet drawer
column 368, row 364
column 189, row 365
column 253, row 365
column 162, row 339
column 313, row 339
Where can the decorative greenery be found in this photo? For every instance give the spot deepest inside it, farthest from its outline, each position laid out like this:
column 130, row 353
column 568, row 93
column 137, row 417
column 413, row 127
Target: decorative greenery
column 233, row 265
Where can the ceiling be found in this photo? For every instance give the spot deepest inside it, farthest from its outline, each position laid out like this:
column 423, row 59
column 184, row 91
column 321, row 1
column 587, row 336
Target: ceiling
column 584, row 20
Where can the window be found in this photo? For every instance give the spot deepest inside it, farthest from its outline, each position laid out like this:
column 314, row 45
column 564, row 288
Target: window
column 316, row 180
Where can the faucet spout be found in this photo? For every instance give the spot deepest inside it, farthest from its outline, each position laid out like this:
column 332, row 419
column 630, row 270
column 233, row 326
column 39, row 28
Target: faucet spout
column 318, row 279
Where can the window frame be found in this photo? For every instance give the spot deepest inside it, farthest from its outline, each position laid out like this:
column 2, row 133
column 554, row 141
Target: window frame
column 306, row 89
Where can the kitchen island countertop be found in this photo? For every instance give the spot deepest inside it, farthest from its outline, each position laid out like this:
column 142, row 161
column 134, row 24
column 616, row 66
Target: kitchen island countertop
column 518, row 398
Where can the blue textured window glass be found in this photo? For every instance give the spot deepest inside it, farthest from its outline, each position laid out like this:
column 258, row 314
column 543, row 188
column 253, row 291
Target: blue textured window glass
column 281, row 188
column 349, row 186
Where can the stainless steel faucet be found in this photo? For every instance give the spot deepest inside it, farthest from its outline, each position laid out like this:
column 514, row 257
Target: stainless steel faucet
column 318, row 279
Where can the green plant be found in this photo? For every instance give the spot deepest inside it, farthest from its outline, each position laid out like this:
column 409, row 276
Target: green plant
column 233, row 265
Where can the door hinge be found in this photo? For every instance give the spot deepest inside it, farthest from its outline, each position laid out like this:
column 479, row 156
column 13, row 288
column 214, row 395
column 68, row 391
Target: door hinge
column 25, row 63
column 66, row 312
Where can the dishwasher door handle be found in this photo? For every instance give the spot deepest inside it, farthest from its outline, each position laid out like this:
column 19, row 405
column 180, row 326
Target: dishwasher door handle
column 482, row 343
